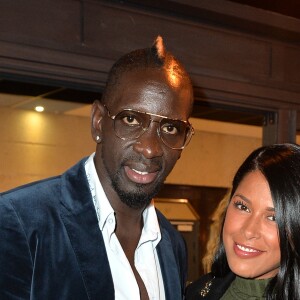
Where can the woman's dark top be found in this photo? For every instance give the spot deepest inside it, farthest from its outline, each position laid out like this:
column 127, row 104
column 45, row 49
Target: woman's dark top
column 246, row 289
column 230, row 287
column 208, row 287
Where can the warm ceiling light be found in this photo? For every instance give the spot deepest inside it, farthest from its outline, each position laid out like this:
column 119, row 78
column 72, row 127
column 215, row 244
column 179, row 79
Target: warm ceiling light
column 39, row 108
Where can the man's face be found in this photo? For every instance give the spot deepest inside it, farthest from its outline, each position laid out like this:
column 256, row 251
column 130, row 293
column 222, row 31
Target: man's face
column 137, row 167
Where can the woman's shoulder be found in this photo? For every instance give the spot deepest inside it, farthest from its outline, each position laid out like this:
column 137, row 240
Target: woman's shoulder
column 197, row 289
column 208, row 287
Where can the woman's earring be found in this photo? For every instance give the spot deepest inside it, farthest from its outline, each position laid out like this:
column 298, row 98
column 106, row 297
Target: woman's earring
column 98, row 139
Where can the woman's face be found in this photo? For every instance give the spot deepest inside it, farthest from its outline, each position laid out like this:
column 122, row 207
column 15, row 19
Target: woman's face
column 250, row 232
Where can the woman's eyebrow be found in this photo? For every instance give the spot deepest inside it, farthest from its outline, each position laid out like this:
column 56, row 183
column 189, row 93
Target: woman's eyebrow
column 242, row 197
column 270, row 209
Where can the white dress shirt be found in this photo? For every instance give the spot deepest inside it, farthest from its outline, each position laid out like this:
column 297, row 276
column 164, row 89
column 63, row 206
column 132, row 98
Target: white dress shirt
column 145, row 259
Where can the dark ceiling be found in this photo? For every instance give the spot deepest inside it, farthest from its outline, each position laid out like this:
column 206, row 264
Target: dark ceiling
column 285, row 7
column 201, row 110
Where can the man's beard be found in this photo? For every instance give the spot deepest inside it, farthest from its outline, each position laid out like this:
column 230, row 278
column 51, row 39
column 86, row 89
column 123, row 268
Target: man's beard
column 137, row 199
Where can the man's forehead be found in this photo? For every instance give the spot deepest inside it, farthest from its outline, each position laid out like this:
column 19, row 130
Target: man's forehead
column 154, row 77
column 143, row 88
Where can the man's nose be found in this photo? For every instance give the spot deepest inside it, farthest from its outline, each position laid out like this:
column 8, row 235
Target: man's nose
column 149, row 143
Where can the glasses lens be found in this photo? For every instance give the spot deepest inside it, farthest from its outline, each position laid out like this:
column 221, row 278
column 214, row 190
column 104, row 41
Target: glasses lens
column 174, row 133
column 131, row 124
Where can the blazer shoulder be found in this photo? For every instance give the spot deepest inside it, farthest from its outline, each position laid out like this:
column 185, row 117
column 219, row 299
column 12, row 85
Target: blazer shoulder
column 44, row 191
column 32, row 189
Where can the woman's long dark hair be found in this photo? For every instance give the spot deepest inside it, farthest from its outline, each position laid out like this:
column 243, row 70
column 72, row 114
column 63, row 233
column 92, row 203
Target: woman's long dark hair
column 280, row 164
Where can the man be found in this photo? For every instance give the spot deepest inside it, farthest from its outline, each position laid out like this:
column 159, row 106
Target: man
column 93, row 232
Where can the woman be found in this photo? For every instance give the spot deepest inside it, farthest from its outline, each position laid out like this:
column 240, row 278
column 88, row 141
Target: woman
column 259, row 252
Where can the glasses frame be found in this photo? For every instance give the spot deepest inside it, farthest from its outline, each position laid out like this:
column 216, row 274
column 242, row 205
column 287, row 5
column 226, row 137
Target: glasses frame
column 188, row 138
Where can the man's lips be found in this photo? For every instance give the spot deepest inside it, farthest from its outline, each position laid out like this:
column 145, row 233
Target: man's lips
column 246, row 251
column 141, row 177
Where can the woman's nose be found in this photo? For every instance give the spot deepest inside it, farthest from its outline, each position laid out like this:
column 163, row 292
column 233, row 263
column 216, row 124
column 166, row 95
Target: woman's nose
column 252, row 227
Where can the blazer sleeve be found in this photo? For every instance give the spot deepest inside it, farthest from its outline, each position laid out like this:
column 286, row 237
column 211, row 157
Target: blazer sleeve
column 15, row 260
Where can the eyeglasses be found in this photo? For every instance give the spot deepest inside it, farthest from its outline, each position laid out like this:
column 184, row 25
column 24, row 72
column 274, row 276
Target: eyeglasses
column 131, row 124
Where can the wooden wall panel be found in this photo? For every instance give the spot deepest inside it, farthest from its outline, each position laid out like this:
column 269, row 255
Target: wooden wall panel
column 76, row 42
column 202, row 49
column 56, row 67
column 292, row 65
column 47, row 23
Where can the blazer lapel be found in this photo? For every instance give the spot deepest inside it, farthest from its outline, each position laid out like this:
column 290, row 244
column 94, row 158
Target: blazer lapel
column 79, row 217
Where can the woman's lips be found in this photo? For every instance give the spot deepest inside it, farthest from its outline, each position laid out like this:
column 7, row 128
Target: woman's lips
column 245, row 251
column 140, row 177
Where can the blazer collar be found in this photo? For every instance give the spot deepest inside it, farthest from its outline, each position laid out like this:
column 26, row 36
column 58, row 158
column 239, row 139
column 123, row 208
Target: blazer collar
column 79, row 216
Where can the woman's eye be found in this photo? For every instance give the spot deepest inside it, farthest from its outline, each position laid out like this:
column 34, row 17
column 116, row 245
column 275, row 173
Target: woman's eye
column 241, row 206
column 272, row 218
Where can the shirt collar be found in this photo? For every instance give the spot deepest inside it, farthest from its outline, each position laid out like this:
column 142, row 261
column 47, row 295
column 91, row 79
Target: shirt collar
column 151, row 229
column 101, row 203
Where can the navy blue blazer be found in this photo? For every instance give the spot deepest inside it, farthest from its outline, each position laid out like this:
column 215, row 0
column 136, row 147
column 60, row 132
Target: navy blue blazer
column 51, row 246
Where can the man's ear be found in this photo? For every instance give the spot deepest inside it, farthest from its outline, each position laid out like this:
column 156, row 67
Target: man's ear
column 96, row 120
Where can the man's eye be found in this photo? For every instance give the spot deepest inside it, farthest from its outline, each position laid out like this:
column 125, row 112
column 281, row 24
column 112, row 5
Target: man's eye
column 169, row 129
column 130, row 120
